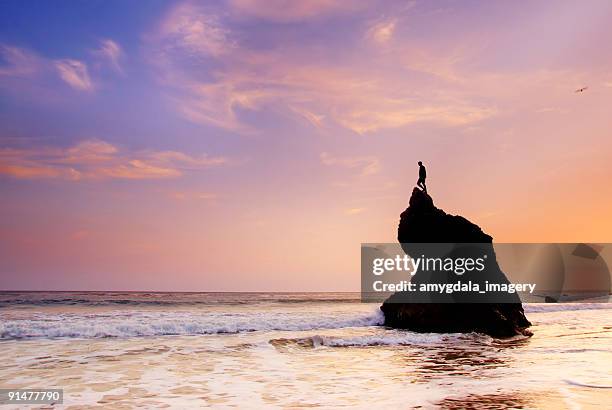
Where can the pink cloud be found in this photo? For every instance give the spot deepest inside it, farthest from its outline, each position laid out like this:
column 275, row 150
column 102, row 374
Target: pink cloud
column 190, row 28
column 290, row 10
column 364, row 98
column 75, row 74
column 367, row 165
column 18, row 61
column 201, row 196
column 382, row 32
column 354, row 211
column 214, row 77
column 96, row 159
column 112, row 52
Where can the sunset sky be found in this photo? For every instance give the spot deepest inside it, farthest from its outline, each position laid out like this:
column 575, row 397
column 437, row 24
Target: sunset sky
column 253, row 145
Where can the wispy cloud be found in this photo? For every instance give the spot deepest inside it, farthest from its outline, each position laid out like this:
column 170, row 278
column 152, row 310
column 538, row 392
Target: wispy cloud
column 290, row 10
column 40, row 72
column 199, row 196
column 191, row 28
column 75, row 74
column 354, row 211
column 316, row 120
column 216, row 103
column 112, row 52
column 97, row 159
column 214, row 78
column 368, row 165
column 382, row 31
column 18, row 61
column 548, row 110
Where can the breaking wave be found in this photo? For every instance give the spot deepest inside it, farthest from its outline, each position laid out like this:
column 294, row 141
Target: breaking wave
column 139, row 324
column 392, row 338
column 395, row 337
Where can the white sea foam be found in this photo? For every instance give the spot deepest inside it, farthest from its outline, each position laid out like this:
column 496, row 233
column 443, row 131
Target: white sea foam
column 325, row 354
column 177, row 323
column 17, row 324
column 557, row 307
column 399, row 338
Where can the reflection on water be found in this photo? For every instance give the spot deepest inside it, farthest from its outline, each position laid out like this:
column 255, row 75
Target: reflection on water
column 514, row 400
column 456, row 361
column 357, row 366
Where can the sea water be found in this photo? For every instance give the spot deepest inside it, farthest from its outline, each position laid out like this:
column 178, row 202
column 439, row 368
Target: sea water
column 291, row 350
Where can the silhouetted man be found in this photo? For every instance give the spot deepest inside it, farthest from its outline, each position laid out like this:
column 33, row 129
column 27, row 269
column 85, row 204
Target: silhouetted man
column 422, row 176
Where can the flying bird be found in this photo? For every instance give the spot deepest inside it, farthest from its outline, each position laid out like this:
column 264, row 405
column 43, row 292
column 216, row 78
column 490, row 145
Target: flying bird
column 580, row 90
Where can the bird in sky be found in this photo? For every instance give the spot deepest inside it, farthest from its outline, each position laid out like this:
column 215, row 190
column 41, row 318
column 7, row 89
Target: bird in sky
column 580, row 90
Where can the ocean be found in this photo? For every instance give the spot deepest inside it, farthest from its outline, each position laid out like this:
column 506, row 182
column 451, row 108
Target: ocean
column 291, row 350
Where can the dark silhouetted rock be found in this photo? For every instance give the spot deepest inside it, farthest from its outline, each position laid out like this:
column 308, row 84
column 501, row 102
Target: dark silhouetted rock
column 498, row 315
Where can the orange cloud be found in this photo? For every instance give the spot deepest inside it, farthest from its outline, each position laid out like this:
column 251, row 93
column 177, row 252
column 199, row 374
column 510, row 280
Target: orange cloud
column 96, row 159
column 399, row 114
column 28, row 171
column 354, row 211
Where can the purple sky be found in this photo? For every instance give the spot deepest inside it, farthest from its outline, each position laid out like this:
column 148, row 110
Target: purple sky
column 253, row 145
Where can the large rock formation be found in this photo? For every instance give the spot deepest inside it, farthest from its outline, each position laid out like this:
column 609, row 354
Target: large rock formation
column 498, row 315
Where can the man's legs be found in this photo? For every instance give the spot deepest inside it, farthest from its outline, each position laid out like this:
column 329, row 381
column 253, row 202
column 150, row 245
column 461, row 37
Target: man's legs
column 421, row 184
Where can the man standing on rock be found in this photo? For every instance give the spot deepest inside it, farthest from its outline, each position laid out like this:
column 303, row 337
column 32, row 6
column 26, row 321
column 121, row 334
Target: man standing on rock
column 422, row 176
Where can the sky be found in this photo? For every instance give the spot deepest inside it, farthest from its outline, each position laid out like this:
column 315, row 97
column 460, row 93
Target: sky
column 251, row 145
